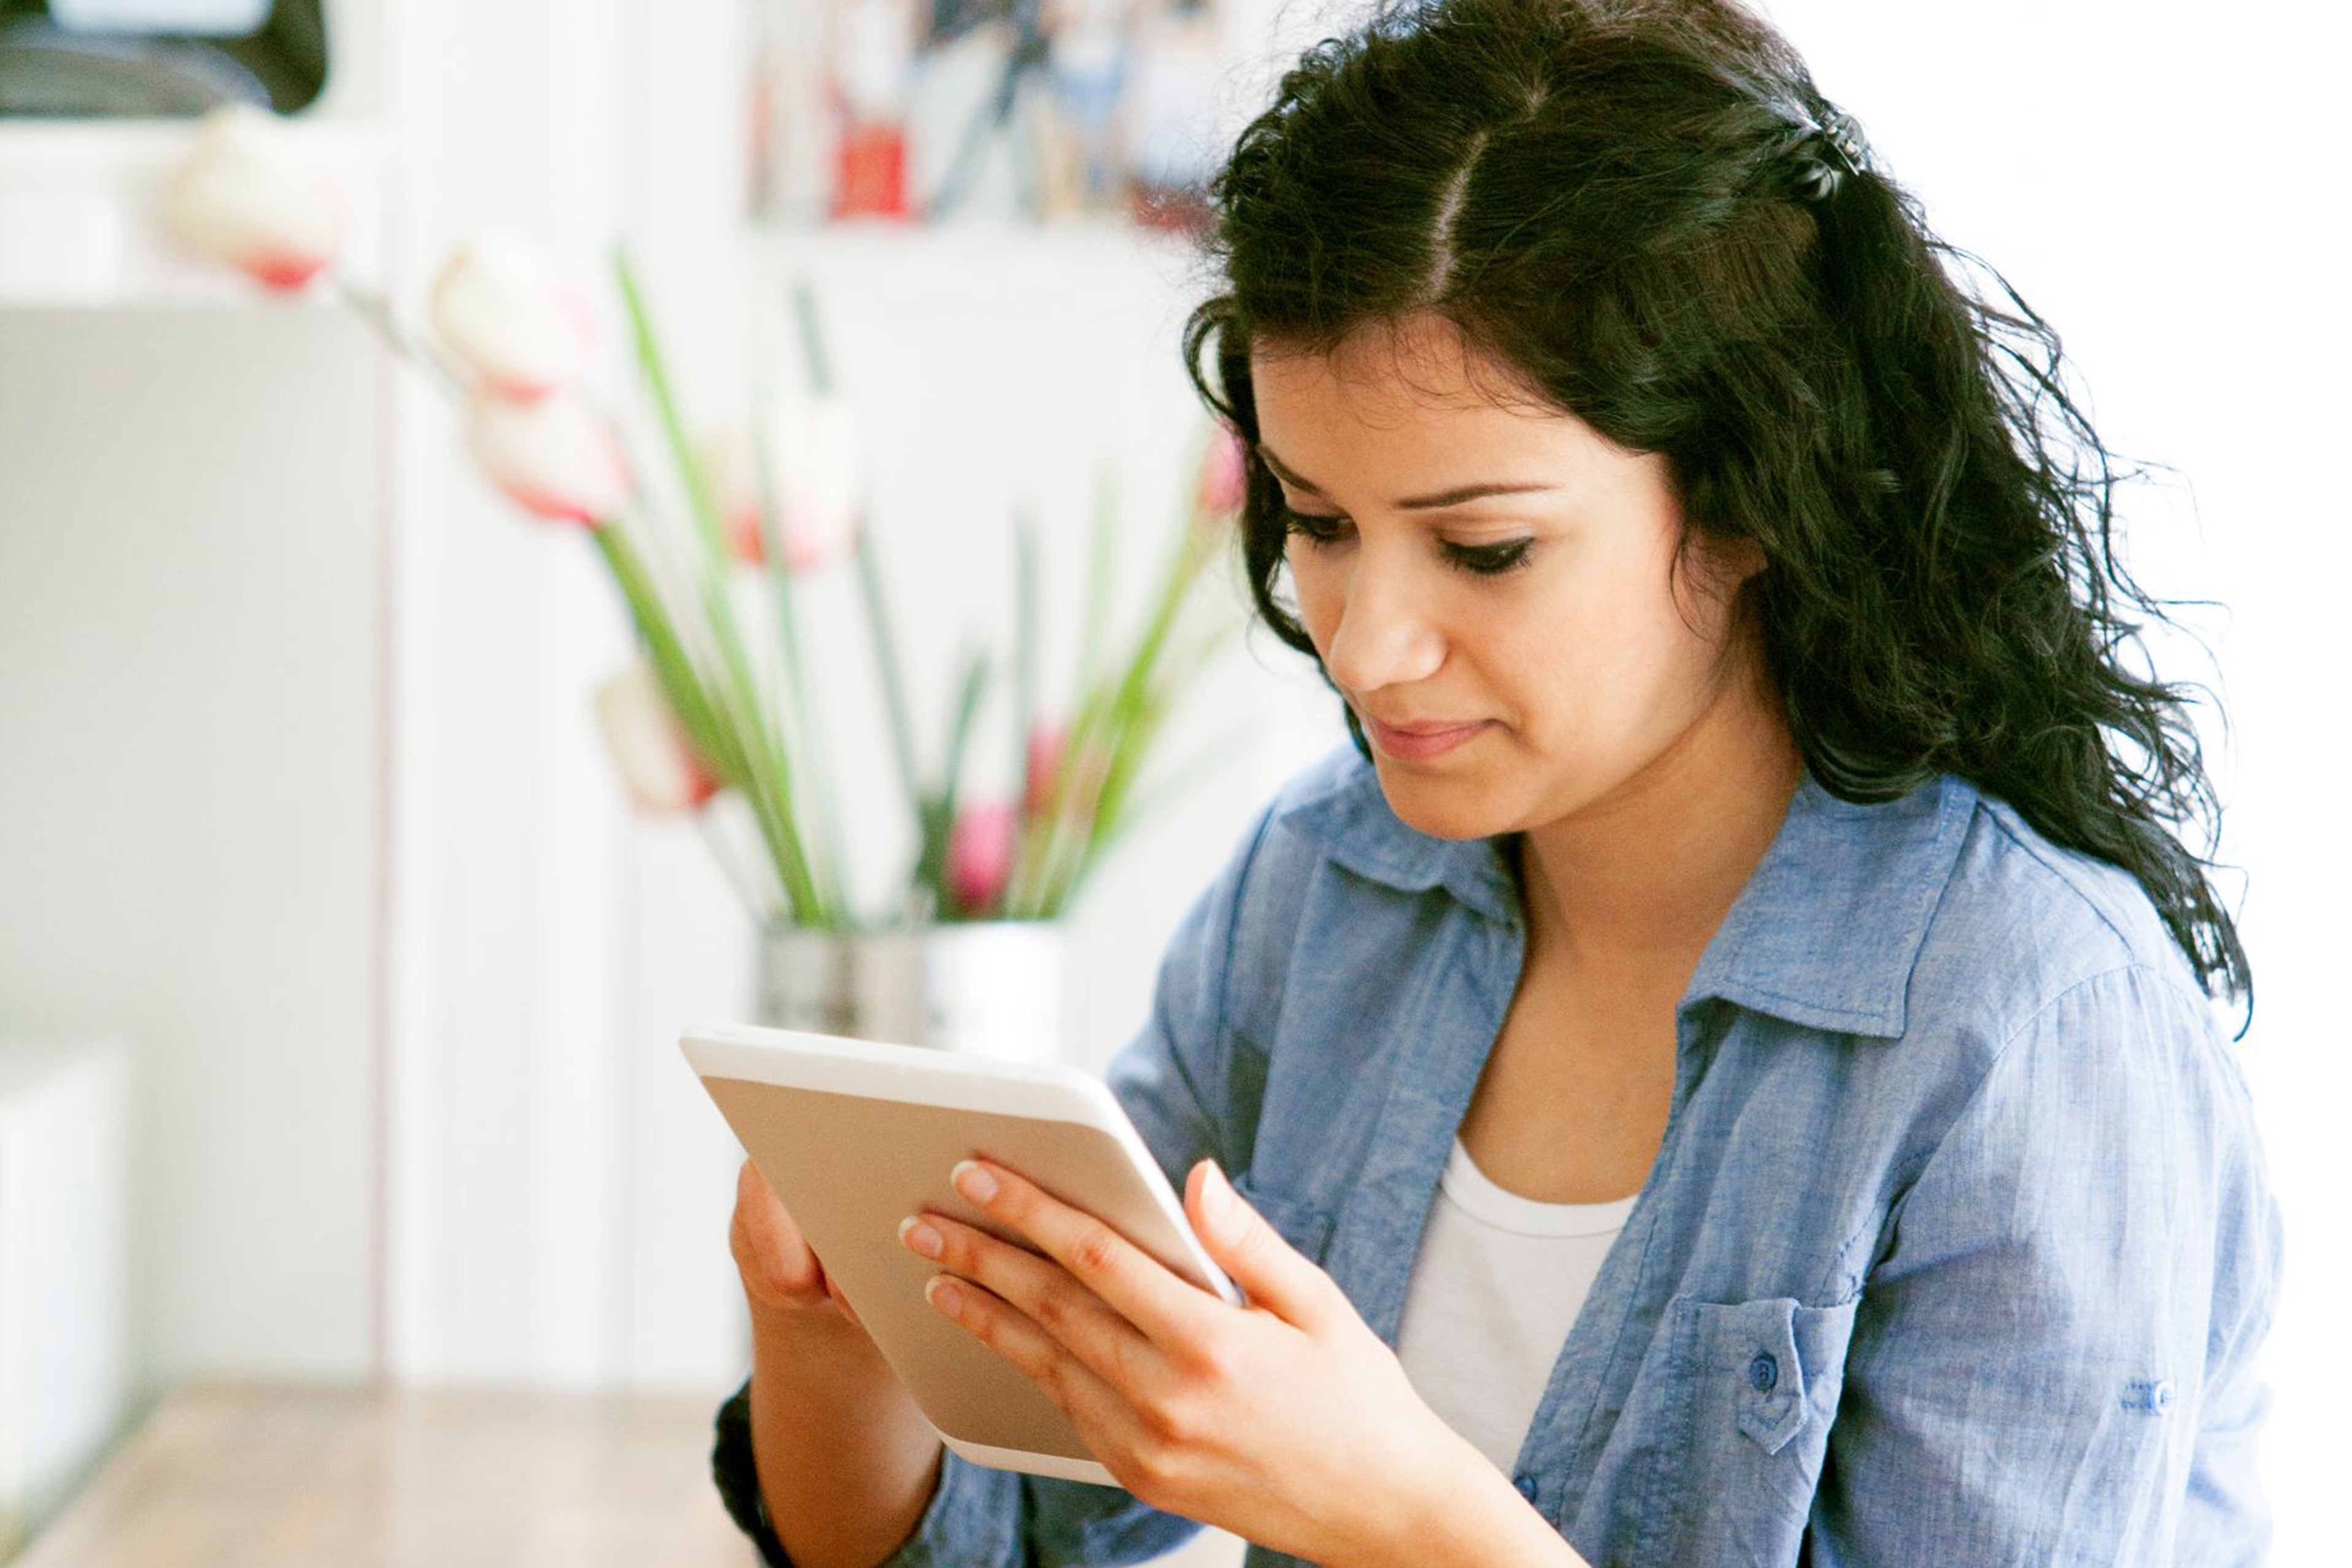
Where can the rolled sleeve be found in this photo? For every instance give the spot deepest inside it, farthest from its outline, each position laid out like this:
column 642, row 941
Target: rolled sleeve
column 974, row 1515
column 1180, row 1083
column 2053, row 1361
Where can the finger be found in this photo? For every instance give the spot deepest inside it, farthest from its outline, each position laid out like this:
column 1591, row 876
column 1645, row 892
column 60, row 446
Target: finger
column 832, row 1289
column 1171, row 1311
column 1105, row 1418
column 1256, row 1256
column 1081, row 1322
column 764, row 1215
column 766, row 1241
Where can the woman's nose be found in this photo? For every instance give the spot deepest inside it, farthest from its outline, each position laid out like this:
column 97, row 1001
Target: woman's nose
column 1386, row 634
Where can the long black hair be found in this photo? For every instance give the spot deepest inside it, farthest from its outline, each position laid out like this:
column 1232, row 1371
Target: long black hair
column 1639, row 207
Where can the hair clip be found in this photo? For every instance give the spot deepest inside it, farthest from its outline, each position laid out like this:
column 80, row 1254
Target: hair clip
column 1843, row 135
column 1846, row 154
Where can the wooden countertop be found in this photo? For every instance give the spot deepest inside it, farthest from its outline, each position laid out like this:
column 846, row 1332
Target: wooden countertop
column 271, row 1476
column 241, row 1475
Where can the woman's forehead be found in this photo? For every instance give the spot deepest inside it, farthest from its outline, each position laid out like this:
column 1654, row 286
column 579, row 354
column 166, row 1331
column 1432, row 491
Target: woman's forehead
column 1429, row 398
column 1424, row 358
column 1419, row 374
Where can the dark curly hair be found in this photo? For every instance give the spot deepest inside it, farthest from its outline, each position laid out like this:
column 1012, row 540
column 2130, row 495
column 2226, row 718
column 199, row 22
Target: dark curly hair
column 1629, row 204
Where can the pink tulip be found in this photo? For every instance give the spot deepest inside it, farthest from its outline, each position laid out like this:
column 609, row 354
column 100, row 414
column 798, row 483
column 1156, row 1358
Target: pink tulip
column 1223, row 479
column 502, row 312
column 815, row 462
column 246, row 196
column 656, row 762
column 979, row 855
column 552, row 456
column 1048, row 744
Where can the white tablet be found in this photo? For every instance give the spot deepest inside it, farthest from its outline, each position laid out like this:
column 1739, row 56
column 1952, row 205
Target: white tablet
column 854, row 1135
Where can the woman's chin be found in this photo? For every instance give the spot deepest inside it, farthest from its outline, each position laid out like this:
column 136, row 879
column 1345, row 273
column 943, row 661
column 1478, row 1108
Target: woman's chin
column 1440, row 808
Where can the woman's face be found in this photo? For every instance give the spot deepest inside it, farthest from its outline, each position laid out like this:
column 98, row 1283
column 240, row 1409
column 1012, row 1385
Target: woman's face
column 1586, row 660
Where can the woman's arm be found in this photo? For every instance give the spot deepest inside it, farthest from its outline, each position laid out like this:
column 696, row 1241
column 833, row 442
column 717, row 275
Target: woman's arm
column 1472, row 1516
column 2053, row 1361
column 845, row 1461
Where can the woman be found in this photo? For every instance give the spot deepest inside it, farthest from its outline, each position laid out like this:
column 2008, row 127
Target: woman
column 1743, row 1088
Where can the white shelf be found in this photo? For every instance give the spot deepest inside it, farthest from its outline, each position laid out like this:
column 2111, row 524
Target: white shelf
column 1006, row 257
column 78, row 202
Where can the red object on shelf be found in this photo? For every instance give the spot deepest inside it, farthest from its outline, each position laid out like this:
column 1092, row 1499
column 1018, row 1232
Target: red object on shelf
column 871, row 179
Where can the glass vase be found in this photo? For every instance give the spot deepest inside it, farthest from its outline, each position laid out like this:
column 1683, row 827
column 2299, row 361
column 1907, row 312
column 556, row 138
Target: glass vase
column 993, row 988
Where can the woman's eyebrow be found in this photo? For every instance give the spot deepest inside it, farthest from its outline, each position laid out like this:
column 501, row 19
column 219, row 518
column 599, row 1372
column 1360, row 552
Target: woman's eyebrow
column 1453, row 497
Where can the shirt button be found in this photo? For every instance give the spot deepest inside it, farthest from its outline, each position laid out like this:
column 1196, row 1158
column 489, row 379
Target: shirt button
column 2160, row 1396
column 1763, row 1372
column 1526, row 1485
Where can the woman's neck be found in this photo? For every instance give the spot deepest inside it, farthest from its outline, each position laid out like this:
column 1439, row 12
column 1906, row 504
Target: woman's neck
column 1641, row 880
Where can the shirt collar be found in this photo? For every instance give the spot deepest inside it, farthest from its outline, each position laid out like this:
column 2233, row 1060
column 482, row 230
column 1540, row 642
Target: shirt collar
column 1824, row 934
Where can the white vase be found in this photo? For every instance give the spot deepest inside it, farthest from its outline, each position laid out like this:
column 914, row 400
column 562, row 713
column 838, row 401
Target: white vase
column 993, row 988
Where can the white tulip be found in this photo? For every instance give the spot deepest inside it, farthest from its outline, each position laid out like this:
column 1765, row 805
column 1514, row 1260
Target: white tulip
column 501, row 311
column 246, row 196
column 648, row 744
column 551, row 455
column 814, row 461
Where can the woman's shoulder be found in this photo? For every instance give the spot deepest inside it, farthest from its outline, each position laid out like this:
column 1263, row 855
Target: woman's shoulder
column 2023, row 922
column 1945, row 909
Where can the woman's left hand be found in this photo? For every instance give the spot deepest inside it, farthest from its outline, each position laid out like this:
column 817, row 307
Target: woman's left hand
column 1287, row 1421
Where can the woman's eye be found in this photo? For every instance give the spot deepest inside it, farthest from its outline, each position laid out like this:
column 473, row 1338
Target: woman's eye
column 1482, row 560
column 1313, row 527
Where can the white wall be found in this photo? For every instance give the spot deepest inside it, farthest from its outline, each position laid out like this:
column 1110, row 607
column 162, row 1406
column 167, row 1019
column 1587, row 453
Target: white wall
column 190, row 772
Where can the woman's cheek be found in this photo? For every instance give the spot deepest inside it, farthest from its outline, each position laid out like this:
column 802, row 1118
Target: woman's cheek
column 1320, row 590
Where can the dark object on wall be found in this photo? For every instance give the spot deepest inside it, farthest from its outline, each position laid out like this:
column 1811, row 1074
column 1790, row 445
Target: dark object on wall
column 49, row 70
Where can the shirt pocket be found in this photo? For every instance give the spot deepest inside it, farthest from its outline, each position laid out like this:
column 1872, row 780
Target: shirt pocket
column 1753, row 1388
column 1306, row 1226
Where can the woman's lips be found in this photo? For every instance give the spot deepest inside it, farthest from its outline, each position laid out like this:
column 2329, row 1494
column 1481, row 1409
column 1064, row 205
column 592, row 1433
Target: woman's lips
column 1417, row 745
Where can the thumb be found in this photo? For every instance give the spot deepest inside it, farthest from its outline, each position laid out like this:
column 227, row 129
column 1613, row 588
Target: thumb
column 1273, row 1273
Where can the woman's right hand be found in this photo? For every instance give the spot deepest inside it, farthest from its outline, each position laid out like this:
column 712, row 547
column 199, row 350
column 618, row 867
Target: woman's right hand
column 781, row 1275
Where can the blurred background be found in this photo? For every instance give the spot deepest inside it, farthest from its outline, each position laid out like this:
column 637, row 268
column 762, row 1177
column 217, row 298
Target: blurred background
column 340, row 976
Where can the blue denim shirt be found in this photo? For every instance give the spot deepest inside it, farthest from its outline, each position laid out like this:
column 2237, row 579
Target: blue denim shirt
column 1959, row 1248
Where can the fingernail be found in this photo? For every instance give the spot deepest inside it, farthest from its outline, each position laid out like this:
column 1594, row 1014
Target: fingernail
column 973, row 1182
column 1217, row 1193
column 918, row 1235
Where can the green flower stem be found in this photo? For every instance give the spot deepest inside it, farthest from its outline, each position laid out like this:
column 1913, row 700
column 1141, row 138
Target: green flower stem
column 1176, row 779
column 1034, row 851
column 894, row 691
column 704, row 509
column 1102, row 550
column 805, row 697
column 793, row 677
column 377, row 312
column 683, row 689
column 768, row 779
column 1024, row 896
column 674, row 668
column 975, row 682
column 680, row 686
column 755, row 904
column 1115, row 817
column 1128, row 723
column 1024, row 674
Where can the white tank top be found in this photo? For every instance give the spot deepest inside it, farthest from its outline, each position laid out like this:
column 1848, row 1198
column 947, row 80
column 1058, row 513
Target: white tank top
column 1498, row 1285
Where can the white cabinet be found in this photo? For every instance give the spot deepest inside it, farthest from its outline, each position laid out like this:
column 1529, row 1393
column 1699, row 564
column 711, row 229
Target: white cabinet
column 65, row 1144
